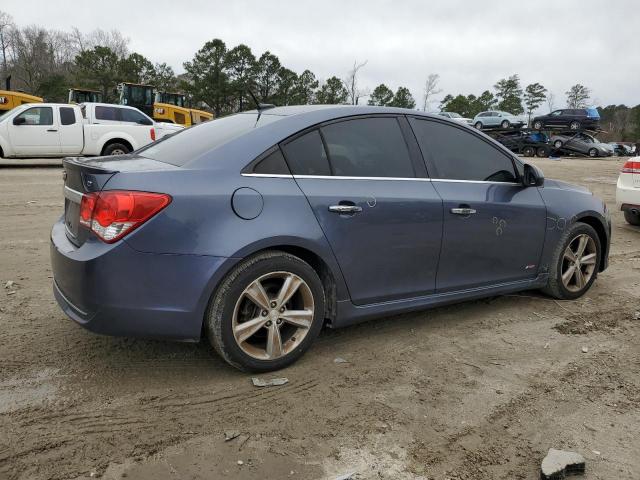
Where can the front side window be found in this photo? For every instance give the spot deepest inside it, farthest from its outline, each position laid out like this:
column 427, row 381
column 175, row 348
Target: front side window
column 306, row 155
column 556, row 113
column 37, row 116
column 456, row 154
column 67, row 116
column 368, row 147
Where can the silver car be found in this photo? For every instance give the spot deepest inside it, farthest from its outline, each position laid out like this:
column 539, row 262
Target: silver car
column 582, row 143
column 496, row 119
column 456, row 116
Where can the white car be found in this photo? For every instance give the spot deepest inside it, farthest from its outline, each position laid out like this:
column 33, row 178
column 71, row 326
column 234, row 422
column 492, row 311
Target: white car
column 457, row 117
column 628, row 191
column 59, row 129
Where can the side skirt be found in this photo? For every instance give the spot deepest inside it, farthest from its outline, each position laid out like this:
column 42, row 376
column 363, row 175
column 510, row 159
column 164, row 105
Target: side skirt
column 349, row 314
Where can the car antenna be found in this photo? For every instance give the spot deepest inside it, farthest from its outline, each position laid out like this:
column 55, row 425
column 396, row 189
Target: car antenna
column 259, row 105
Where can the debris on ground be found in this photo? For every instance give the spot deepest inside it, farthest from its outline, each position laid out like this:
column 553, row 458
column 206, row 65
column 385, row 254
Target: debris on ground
column 230, row 435
column 346, row 476
column 274, row 382
column 636, row 315
column 240, row 462
column 340, row 360
column 560, row 463
column 585, row 350
column 9, row 284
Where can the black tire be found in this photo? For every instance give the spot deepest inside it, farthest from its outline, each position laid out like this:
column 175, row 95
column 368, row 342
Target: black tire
column 555, row 287
column 632, row 219
column 542, row 152
column 537, row 125
column 528, row 151
column 218, row 320
column 115, row 149
column 557, row 144
column 478, row 125
column 505, row 124
column 593, row 152
column 575, row 125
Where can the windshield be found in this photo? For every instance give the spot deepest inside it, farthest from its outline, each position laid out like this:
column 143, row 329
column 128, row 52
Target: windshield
column 455, row 115
column 195, row 141
column 136, row 95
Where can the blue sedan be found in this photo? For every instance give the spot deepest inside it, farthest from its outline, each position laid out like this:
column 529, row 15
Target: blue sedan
column 259, row 228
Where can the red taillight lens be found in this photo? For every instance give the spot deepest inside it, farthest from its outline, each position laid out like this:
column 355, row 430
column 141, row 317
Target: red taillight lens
column 631, row 167
column 153, row 134
column 112, row 214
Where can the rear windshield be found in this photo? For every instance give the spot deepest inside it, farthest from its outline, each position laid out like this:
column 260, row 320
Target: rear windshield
column 593, row 113
column 195, row 141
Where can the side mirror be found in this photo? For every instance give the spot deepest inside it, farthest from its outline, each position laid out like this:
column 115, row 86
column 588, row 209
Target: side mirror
column 19, row 121
column 145, row 121
column 533, row 176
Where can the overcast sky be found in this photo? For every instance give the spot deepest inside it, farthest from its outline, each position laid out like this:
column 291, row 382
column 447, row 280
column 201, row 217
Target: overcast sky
column 471, row 44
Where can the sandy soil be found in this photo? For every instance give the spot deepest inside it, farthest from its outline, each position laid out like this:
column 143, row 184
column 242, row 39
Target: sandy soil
column 478, row 390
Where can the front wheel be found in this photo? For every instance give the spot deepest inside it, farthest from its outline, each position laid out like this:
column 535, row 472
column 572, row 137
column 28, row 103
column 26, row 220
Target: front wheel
column 478, row 125
column 537, row 125
column 574, row 125
column 266, row 313
column 542, row 152
column 575, row 263
column 505, row 124
column 632, row 218
column 593, row 152
column 528, row 151
column 557, row 144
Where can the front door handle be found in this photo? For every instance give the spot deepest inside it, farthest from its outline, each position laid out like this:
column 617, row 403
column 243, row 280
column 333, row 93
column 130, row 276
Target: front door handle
column 52, row 130
column 463, row 211
column 345, row 209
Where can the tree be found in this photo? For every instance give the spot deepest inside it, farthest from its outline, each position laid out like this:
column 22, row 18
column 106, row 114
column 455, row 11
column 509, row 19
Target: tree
column 266, row 76
column 98, row 68
column 509, row 95
column 136, row 68
column 332, row 92
column 403, row 99
column 430, row 89
column 551, row 101
column 163, row 77
column 209, row 78
column 303, row 88
column 534, row 96
column 240, row 63
column 351, row 83
column 286, row 84
column 486, row 101
column 381, row 96
column 578, row 96
column 6, row 25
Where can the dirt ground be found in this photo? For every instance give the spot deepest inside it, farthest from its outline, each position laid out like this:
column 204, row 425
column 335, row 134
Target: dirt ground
column 480, row 390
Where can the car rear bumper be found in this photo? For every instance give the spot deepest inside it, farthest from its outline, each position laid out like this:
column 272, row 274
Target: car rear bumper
column 627, row 196
column 116, row 290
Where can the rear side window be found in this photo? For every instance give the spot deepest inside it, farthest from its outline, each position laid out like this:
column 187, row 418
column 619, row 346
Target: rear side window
column 129, row 115
column 368, row 147
column 459, row 155
column 306, row 155
column 107, row 113
column 67, row 116
column 272, row 164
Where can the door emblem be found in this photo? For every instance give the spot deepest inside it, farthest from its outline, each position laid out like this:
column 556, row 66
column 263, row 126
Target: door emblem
column 500, row 224
column 372, row 202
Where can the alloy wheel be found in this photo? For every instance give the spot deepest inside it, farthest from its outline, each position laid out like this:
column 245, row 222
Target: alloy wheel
column 273, row 315
column 118, row 151
column 579, row 263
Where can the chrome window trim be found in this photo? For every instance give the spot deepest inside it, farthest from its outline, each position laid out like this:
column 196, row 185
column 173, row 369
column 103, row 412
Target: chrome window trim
column 72, row 194
column 403, row 179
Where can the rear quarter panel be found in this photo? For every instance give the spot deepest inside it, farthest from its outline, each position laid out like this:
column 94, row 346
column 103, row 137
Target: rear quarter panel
column 97, row 135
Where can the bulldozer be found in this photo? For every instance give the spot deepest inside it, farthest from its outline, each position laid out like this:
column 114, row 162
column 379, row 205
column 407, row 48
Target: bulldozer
column 81, row 95
column 161, row 106
column 10, row 98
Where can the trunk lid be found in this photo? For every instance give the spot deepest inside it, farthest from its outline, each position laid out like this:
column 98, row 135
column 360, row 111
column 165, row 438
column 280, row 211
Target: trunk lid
column 82, row 175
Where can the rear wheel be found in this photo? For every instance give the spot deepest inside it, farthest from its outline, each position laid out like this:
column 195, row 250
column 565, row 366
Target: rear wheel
column 593, row 152
column 575, row 125
column 478, row 125
column 557, row 144
column 575, row 263
column 528, row 151
column 631, row 218
column 542, row 152
column 538, row 125
column 116, row 149
column 505, row 124
column 266, row 312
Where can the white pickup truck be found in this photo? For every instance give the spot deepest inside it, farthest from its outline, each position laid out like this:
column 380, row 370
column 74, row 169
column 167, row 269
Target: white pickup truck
column 58, row 130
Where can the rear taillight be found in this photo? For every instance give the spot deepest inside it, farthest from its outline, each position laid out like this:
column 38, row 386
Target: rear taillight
column 631, row 167
column 112, row 214
column 153, row 134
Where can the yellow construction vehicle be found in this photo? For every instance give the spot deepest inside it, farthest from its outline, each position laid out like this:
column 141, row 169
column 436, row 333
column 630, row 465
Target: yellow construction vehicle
column 81, row 95
column 161, row 106
column 170, row 107
column 10, row 99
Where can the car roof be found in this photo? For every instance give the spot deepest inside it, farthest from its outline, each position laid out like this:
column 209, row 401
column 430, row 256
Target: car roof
column 98, row 104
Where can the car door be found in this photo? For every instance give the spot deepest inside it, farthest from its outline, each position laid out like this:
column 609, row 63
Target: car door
column 366, row 184
column 493, row 226
column 71, row 131
column 35, row 132
column 556, row 118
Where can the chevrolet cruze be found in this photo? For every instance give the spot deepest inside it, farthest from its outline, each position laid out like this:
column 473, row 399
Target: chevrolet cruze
column 257, row 229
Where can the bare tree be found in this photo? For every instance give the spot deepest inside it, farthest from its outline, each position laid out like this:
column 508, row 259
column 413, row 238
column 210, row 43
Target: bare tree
column 551, row 99
column 112, row 39
column 430, row 89
column 6, row 25
column 351, row 84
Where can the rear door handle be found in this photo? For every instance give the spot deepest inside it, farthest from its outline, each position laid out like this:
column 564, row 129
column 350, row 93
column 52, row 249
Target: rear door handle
column 52, row 130
column 463, row 211
column 345, row 209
